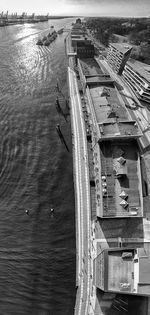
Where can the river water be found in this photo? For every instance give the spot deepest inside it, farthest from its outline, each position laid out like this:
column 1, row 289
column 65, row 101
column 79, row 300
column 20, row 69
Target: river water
column 37, row 251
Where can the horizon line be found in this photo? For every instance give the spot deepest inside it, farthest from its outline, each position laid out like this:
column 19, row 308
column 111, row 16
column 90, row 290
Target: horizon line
column 77, row 15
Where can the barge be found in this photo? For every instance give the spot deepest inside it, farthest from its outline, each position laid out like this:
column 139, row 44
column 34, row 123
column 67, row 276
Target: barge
column 47, row 40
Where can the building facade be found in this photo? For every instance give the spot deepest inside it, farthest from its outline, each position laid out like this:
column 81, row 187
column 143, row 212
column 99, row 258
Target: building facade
column 117, row 56
column 137, row 75
column 80, row 41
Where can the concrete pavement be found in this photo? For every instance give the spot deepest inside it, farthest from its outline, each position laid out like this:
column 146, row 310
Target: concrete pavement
column 85, row 299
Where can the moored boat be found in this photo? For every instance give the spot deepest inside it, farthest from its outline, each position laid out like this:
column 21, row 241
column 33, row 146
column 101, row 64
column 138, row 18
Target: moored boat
column 47, row 40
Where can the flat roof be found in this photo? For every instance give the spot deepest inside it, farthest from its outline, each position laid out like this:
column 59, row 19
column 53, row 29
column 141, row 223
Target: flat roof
column 144, row 270
column 120, row 271
column 95, row 79
column 142, row 68
column 124, row 270
column 121, row 47
column 91, row 67
column 106, row 99
column 113, row 129
column 121, row 188
column 80, row 38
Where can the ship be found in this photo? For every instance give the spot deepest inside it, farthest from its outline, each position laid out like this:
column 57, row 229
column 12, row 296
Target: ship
column 47, row 40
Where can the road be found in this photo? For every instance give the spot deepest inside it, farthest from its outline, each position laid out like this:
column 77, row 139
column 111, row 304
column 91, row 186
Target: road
column 85, row 298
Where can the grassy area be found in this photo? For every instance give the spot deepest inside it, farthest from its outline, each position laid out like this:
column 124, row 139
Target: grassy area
column 135, row 31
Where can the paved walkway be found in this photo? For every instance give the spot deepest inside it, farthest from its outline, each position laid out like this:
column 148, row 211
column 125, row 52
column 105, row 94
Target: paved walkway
column 84, row 300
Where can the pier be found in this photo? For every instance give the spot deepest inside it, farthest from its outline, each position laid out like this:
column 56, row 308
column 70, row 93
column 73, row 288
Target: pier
column 13, row 19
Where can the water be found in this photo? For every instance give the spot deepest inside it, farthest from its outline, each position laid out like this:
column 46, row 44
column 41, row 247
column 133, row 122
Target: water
column 37, row 251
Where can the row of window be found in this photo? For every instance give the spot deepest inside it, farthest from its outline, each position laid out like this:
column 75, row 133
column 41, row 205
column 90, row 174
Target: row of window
column 137, row 79
column 115, row 50
column 134, row 73
column 134, row 78
column 143, row 95
column 132, row 82
column 112, row 54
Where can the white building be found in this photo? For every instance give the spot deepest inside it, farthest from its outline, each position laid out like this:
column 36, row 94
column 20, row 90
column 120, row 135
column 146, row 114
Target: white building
column 137, row 75
column 117, row 56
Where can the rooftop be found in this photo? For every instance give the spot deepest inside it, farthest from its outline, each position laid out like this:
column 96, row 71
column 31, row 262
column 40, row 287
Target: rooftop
column 112, row 116
column 120, row 271
column 124, row 270
column 91, row 67
column 98, row 80
column 106, row 100
column 114, row 129
column 124, row 48
column 142, row 68
column 121, row 179
column 79, row 37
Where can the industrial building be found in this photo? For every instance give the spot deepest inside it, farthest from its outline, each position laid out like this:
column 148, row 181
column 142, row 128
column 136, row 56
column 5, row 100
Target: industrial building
column 137, row 75
column 117, row 56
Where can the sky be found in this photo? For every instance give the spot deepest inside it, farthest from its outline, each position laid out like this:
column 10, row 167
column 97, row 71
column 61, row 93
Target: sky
column 79, row 7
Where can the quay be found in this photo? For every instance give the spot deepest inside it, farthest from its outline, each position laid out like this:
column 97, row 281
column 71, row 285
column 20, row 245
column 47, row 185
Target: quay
column 13, row 19
column 111, row 161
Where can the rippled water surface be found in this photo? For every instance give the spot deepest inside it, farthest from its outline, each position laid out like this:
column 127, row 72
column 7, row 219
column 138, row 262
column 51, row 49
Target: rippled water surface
column 37, row 251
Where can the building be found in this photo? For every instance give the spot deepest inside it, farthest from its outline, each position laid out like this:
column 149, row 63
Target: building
column 91, row 74
column 78, row 21
column 117, row 56
column 80, row 41
column 119, row 190
column 123, row 270
column 137, row 75
column 83, row 46
column 118, row 181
